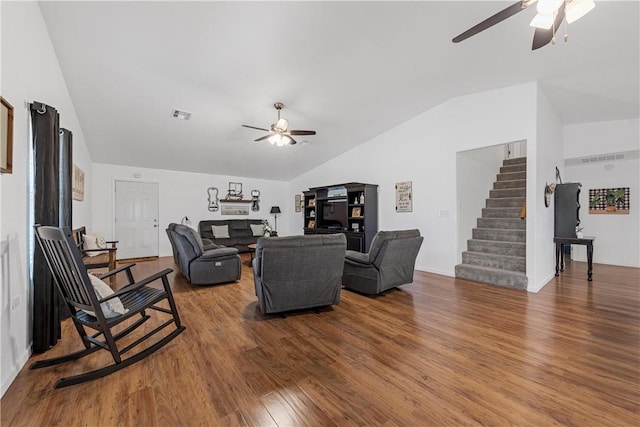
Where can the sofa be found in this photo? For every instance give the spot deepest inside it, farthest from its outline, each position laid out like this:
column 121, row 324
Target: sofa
column 218, row 264
column 389, row 263
column 298, row 272
column 240, row 232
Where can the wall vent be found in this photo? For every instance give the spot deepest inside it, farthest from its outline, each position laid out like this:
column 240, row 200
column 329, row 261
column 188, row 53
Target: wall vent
column 179, row 114
column 602, row 158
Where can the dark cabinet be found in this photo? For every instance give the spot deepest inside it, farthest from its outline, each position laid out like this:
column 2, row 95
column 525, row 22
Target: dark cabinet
column 567, row 209
column 350, row 208
column 355, row 242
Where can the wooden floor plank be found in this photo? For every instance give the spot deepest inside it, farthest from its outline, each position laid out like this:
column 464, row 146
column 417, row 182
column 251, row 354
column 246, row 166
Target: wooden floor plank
column 437, row 352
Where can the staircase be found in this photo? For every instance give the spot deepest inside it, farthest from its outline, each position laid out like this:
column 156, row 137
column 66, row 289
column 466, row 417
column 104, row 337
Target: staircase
column 497, row 252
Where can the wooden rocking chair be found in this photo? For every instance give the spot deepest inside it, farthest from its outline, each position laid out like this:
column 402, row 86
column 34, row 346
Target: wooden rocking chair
column 65, row 262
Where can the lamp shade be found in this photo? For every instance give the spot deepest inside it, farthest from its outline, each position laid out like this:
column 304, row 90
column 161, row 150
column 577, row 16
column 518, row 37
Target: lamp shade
column 275, row 210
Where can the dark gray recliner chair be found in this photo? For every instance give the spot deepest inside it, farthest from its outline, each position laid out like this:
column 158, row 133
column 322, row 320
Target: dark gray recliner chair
column 201, row 266
column 390, row 262
column 298, row 272
column 206, row 244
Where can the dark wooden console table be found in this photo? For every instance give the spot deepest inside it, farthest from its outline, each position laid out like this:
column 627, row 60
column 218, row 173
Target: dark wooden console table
column 561, row 241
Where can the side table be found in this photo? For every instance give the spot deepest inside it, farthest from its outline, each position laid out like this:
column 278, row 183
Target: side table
column 561, row 241
column 252, row 251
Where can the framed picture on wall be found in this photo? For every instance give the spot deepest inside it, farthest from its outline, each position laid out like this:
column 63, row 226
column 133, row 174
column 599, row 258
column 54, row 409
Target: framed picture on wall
column 6, row 137
column 78, row 183
column 404, row 196
column 298, row 205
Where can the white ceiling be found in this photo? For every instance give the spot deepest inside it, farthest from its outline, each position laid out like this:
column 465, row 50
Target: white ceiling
column 349, row 70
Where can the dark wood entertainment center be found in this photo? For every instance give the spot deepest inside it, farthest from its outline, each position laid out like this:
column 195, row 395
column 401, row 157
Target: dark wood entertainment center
column 350, row 208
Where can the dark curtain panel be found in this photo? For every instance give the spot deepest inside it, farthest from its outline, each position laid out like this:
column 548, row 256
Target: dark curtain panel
column 48, row 188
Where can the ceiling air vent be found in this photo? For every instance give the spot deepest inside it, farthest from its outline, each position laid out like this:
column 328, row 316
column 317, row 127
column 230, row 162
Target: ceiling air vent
column 179, row 114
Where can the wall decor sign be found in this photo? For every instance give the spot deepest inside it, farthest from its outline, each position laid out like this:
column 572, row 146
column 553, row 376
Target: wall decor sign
column 298, row 203
column 6, row 136
column 235, row 209
column 78, row 183
column 609, row 200
column 404, row 197
column 212, row 193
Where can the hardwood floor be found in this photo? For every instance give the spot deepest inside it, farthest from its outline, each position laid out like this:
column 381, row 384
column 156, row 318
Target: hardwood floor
column 437, row 352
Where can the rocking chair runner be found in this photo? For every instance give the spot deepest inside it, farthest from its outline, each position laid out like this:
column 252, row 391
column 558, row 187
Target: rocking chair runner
column 65, row 261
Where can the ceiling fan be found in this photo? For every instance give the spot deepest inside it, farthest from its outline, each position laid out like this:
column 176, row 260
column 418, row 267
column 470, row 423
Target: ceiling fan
column 550, row 15
column 279, row 133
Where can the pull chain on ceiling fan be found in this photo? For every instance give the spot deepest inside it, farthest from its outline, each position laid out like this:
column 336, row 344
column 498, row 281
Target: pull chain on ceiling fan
column 551, row 14
column 278, row 133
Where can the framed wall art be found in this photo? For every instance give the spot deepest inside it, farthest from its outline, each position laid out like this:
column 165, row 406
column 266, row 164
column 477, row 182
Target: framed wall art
column 298, row 203
column 77, row 189
column 6, row 136
column 235, row 209
column 404, row 196
column 609, row 200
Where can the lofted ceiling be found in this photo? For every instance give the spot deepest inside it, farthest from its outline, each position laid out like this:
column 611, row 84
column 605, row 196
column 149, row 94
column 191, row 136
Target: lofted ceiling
column 349, row 70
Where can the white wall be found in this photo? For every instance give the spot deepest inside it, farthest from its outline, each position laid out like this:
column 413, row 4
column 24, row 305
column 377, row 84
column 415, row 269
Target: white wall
column 476, row 172
column 423, row 150
column 617, row 236
column 29, row 72
column 183, row 193
column 541, row 164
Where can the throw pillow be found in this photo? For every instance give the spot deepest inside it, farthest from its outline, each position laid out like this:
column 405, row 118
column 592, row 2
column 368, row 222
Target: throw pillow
column 220, row 231
column 95, row 241
column 257, row 230
column 111, row 308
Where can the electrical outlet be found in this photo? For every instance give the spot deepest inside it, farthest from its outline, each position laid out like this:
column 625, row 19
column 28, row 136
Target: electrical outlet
column 15, row 303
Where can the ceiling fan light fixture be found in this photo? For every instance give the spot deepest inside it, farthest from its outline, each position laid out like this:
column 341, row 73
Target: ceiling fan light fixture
column 542, row 21
column 282, row 124
column 576, row 9
column 547, row 7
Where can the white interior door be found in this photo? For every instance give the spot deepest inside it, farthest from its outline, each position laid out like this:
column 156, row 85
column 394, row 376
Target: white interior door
column 136, row 219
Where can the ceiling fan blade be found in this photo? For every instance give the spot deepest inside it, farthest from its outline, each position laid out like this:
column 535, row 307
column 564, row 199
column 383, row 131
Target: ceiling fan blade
column 492, row 20
column 262, row 138
column 543, row 37
column 293, row 141
column 301, row 132
column 253, row 127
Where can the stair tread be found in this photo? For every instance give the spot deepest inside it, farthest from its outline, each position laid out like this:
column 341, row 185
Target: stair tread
column 490, row 255
column 510, row 197
column 492, row 270
column 501, row 229
column 485, row 241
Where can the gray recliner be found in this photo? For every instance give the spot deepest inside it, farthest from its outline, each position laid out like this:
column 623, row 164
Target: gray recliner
column 390, row 262
column 199, row 265
column 298, row 272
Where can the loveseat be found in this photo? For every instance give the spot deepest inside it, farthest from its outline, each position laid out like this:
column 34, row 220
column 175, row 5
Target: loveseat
column 232, row 233
column 298, row 272
column 200, row 266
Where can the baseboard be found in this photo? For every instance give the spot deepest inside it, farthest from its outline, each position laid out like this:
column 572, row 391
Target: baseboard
column 538, row 287
column 22, row 360
column 436, row 271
